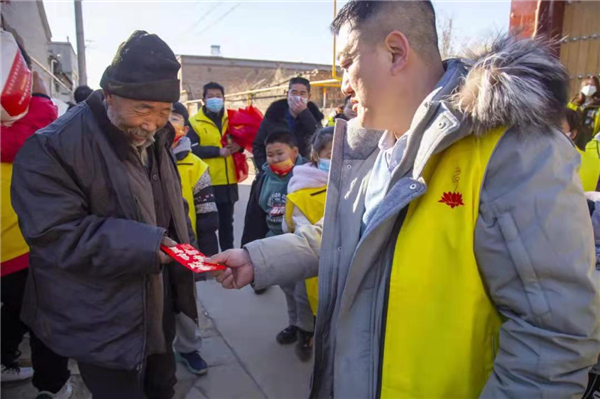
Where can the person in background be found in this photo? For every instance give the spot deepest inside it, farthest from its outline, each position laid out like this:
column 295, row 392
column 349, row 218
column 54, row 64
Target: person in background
column 589, row 172
column 97, row 194
column 198, row 192
column 344, row 112
column 197, row 185
column 305, row 205
column 266, row 208
column 50, row 371
column 296, row 114
column 209, row 126
column 82, row 93
column 587, row 103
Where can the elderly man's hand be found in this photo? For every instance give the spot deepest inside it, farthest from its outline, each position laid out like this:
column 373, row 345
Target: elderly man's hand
column 164, row 258
column 239, row 272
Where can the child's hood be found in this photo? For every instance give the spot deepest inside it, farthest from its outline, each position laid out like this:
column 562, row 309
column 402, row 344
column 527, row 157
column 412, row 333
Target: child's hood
column 307, row 176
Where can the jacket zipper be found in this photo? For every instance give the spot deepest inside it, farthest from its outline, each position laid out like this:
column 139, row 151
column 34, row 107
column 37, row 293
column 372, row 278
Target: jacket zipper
column 386, row 298
column 383, row 328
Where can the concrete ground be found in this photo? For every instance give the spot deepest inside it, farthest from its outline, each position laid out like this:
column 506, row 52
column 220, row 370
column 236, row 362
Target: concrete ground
column 239, row 329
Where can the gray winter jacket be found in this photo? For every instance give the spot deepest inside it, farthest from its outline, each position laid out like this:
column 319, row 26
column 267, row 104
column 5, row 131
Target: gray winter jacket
column 533, row 238
column 91, row 253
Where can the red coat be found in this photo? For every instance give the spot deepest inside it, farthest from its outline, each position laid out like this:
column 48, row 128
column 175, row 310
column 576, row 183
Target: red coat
column 15, row 253
column 42, row 112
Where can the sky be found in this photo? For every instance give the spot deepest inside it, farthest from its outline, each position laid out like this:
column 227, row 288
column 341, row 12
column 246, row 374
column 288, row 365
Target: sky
column 270, row 30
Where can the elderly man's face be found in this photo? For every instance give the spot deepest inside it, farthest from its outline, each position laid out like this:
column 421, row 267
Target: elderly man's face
column 137, row 118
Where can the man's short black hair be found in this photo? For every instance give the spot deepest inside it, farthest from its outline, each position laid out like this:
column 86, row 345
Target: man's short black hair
column 212, row 85
column 418, row 24
column 300, row 80
column 82, row 93
column 281, row 136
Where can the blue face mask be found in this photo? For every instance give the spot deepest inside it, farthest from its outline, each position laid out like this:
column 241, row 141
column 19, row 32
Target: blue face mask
column 214, row 104
column 324, row 164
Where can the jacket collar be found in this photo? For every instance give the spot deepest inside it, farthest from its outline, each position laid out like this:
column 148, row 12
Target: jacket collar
column 164, row 137
column 202, row 117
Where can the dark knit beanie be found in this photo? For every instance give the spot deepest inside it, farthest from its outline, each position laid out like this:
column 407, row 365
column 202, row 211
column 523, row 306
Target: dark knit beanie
column 180, row 109
column 144, row 68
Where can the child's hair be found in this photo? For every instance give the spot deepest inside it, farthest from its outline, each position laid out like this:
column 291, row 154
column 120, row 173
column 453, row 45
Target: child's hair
column 321, row 138
column 281, row 136
column 573, row 119
column 180, row 109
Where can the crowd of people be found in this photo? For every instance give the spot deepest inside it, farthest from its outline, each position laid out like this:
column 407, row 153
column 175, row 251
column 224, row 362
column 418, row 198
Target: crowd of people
column 438, row 237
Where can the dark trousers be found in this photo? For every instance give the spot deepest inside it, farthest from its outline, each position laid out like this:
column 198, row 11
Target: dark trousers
column 156, row 377
column 225, row 225
column 51, row 371
column 156, row 380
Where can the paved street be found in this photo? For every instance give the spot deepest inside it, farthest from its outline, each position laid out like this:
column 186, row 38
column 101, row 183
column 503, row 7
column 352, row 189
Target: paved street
column 239, row 328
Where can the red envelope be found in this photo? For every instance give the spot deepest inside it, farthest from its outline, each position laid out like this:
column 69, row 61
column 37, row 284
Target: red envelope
column 191, row 258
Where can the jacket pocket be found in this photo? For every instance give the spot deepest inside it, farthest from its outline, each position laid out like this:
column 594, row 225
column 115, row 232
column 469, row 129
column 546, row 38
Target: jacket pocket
column 523, row 264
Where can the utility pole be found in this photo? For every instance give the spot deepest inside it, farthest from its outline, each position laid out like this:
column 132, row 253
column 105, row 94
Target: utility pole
column 80, row 43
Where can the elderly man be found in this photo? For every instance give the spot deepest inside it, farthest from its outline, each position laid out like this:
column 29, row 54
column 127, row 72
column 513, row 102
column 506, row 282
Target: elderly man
column 97, row 192
column 456, row 257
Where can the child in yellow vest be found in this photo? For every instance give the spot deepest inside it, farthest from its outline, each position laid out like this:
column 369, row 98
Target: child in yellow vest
column 198, row 192
column 305, row 204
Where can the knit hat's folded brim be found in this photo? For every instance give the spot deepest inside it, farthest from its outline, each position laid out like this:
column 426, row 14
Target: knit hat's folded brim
column 162, row 90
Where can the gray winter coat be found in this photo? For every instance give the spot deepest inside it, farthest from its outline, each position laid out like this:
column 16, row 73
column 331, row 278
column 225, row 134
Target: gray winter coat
column 533, row 238
column 91, row 254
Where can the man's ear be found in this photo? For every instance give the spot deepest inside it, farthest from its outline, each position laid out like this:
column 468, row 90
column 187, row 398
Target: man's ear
column 397, row 45
column 186, row 130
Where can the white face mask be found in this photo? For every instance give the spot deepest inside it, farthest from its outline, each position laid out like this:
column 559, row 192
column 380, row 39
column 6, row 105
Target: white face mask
column 300, row 98
column 588, row 90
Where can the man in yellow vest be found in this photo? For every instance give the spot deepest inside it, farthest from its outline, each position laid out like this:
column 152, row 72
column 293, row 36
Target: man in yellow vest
column 456, row 254
column 209, row 126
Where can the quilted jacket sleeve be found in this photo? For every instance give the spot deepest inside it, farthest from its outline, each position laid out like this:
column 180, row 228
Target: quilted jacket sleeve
column 535, row 250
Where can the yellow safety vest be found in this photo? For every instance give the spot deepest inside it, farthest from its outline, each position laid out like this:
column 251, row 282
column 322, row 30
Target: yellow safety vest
column 596, row 124
column 311, row 202
column 589, row 172
column 593, row 147
column 222, row 171
column 12, row 243
column 441, row 331
column 191, row 168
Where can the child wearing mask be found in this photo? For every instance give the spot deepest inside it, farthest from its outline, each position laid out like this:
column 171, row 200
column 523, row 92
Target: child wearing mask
column 589, row 171
column 305, row 205
column 266, row 211
column 198, row 192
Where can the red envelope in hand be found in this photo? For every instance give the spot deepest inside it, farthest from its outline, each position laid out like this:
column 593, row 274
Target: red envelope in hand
column 191, row 258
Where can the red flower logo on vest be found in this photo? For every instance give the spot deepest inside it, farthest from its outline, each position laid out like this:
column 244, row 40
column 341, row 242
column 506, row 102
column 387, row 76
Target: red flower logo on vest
column 452, row 199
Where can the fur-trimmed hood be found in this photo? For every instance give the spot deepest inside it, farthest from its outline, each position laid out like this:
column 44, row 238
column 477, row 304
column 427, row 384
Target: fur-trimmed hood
column 512, row 82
